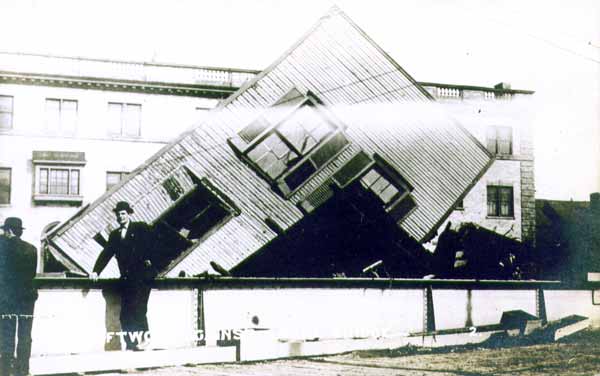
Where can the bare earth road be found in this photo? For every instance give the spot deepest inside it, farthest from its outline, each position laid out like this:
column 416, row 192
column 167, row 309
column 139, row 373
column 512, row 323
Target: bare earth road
column 576, row 355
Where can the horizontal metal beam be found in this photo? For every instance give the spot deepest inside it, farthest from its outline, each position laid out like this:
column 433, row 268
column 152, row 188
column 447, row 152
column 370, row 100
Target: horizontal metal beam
column 216, row 283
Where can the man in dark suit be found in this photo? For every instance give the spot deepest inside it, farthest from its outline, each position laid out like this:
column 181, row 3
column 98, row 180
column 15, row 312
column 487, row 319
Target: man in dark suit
column 131, row 244
column 18, row 263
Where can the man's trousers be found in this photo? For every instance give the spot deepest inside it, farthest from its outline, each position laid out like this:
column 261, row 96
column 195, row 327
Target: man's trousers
column 15, row 329
column 134, row 306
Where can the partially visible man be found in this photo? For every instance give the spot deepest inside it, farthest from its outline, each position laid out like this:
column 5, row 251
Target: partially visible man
column 131, row 244
column 18, row 262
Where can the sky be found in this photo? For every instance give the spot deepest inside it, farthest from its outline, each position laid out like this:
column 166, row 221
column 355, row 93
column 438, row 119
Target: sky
column 551, row 47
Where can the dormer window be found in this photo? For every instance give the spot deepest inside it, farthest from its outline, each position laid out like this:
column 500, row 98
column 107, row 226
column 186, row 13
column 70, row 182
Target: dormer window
column 290, row 142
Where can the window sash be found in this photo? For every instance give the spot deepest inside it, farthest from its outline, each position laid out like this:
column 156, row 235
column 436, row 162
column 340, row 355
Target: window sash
column 61, row 115
column 6, row 112
column 132, row 120
column 68, row 116
column 43, row 181
column 113, row 178
column 388, row 191
column 505, row 202
column 74, row 183
column 124, row 119
column 499, row 140
column 276, row 149
column 59, row 181
column 500, row 201
column 5, row 185
column 114, row 118
column 53, row 115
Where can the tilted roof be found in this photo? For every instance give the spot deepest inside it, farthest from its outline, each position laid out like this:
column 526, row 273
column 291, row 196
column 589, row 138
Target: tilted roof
column 381, row 109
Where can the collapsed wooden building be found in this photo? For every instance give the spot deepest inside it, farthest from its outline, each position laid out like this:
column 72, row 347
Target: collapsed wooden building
column 330, row 159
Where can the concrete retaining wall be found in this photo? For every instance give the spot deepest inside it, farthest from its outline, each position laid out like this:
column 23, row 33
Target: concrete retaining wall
column 72, row 320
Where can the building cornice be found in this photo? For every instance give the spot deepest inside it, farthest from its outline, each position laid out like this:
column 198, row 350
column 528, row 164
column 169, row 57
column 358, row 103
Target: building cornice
column 95, row 83
column 476, row 88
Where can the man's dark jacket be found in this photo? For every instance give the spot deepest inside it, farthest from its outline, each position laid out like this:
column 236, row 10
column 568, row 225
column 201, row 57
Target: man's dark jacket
column 134, row 253
column 18, row 261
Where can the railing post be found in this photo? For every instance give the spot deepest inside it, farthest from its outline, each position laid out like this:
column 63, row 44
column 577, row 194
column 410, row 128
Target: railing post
column 540, row 305
column 428, row 310
column 469, row 322
column 199, row 316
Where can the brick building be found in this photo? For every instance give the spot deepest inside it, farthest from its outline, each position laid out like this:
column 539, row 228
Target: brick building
column 503, row 200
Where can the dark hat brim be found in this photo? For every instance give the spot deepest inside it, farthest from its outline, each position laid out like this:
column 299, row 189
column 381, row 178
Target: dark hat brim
column 128, row 210
column 4, row 227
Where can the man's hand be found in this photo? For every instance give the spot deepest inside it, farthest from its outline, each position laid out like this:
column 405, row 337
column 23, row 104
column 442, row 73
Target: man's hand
column 94, row 276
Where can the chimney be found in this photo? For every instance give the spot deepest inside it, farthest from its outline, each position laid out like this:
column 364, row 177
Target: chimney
column 502, row 86
column 595, row 203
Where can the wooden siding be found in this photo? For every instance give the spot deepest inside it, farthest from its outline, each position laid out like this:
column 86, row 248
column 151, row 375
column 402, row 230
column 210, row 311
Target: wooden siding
column 343, row 67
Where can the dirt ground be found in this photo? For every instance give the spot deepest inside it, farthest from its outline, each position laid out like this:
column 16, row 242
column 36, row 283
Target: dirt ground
column 578, row 354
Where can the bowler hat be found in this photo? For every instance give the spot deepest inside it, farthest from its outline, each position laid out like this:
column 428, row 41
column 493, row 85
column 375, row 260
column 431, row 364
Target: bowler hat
column 13, row 222
column 123, row 205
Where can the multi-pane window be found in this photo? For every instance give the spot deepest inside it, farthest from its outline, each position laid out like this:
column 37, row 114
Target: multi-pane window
column 124, row 119
column 387, row 192
column 499, row 140
column 6, row 112
column 5, row 183
column 282, row 147
column 61, row 116
column 500, row 201
column 391, row 189
column 58, row 181
column 113, row 178
column 57, row 176
column 290, row 142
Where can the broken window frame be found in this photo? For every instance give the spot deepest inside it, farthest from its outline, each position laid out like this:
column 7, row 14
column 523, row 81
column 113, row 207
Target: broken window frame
column 392, row 177
column 183, row 245
column 216, row 198
column 304, row 159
